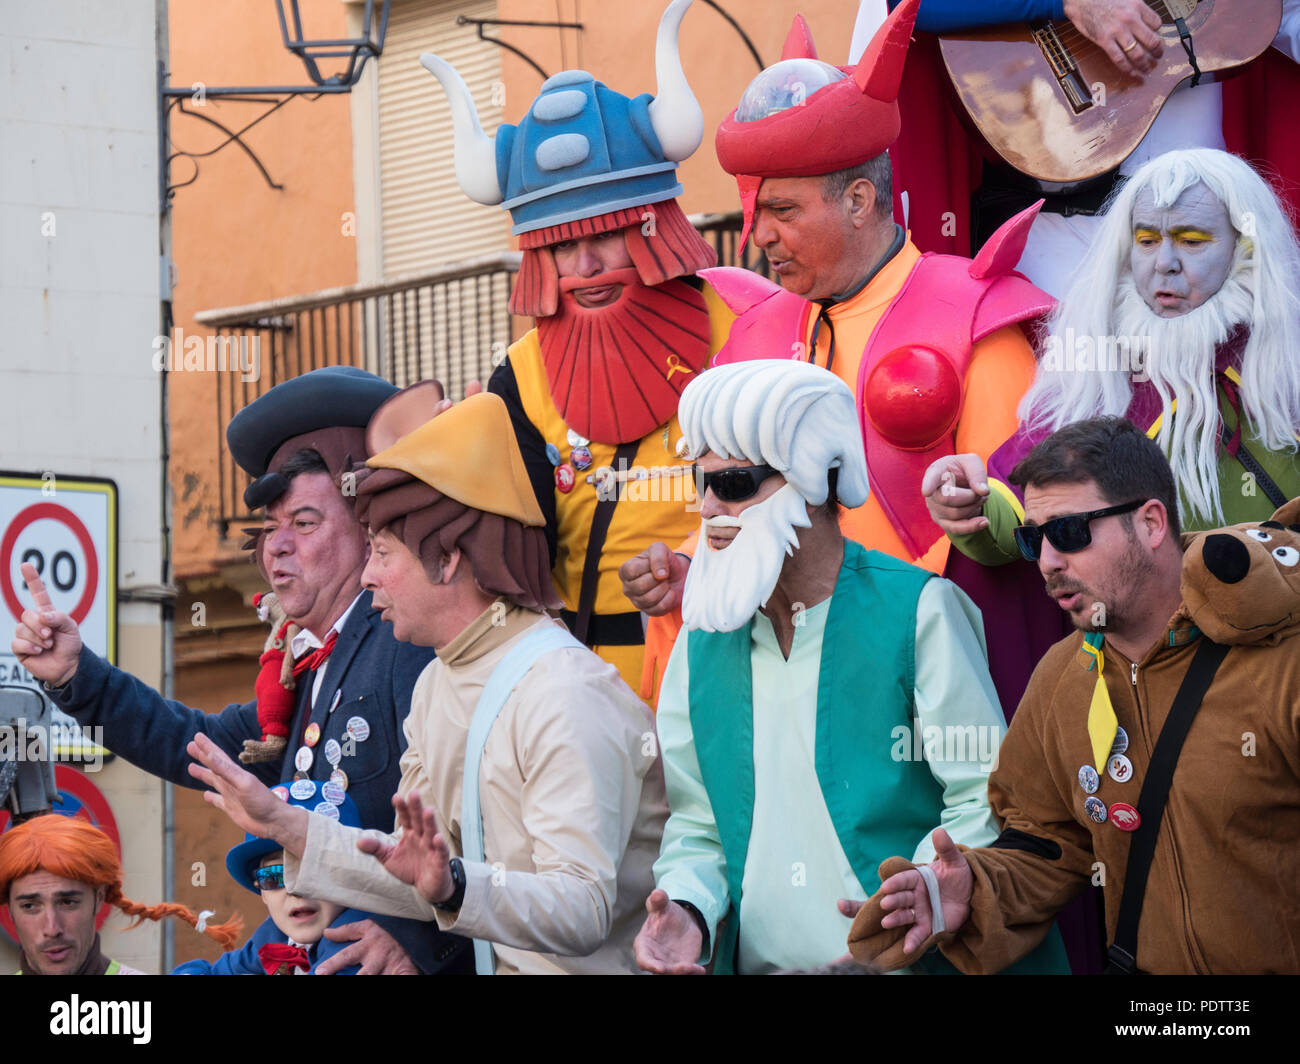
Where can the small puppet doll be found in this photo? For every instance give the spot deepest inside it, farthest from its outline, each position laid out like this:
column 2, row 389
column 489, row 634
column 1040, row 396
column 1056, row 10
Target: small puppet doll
column 275, row 684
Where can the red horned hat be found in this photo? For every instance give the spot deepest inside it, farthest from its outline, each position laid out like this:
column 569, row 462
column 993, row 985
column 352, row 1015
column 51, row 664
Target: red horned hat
column 803, row 118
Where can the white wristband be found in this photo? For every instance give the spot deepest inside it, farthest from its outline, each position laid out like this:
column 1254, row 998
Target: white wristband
column 936, row 905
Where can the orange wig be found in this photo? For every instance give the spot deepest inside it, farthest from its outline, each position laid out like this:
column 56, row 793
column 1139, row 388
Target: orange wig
column 74, row 849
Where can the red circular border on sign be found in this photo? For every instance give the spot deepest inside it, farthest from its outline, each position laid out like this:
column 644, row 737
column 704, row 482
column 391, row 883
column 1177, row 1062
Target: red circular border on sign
column 94, row 809
column 36, row 512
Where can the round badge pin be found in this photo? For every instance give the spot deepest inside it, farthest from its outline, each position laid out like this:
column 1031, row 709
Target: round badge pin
column 581, row 458
column 333, row 752
column 1119, row 768
column 1121, row 741
column 303, row 789
column 340, row 777
column 359, row 729
column 281, row 792
column 1096, row 809
column 302, row 759
column 333, row 793
column 328, row 809
column 312, row 734
column 575, row 440
column 564, row 478
column 1089, row 780
column 1125, row 817
column 552, row 454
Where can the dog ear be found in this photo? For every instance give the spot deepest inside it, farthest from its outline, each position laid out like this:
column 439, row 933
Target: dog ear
column 1288, row 513
column 401, row 414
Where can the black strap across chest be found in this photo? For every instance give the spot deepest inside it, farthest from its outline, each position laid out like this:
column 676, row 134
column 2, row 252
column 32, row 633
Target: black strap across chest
column 600, row 521
column 1122, row 955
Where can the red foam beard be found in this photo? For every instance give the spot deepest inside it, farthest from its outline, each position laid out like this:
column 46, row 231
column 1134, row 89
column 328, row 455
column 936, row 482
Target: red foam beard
column 616, row 371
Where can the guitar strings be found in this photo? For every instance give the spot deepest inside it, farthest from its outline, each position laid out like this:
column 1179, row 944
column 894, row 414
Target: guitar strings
column 1068, row 34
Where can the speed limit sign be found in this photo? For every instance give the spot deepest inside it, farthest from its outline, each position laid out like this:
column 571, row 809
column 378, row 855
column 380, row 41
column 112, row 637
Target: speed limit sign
column 66, row 527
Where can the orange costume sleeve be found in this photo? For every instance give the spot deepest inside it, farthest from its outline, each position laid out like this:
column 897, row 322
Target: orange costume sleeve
column 660, row 636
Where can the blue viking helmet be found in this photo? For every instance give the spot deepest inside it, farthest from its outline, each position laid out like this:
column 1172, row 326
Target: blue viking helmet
column 583, row 149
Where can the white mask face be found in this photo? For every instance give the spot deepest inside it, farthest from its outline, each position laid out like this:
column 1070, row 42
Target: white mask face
column 1182, row 253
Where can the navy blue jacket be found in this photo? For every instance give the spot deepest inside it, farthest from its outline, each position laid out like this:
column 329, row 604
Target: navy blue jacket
column 372, row 675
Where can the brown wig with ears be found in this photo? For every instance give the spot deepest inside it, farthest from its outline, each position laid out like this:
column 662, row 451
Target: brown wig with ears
column 506, row 558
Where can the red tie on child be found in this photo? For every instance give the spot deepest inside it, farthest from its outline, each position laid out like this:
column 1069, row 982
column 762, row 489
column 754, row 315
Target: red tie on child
column 280, row 958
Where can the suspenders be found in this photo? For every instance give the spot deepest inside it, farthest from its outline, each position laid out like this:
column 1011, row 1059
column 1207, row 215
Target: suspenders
column 505, row 677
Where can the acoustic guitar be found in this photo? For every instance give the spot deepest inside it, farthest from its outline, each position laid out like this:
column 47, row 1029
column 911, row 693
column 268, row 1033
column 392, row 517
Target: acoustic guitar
column 1054, row 106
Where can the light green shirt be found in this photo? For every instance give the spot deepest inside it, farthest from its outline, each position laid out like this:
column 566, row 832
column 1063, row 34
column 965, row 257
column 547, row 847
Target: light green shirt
column 796, row 869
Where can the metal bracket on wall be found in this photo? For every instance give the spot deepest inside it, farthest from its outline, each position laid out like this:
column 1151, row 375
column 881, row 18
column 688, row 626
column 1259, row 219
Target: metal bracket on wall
column 479, row 23
column 741, row 33
column 177, row 102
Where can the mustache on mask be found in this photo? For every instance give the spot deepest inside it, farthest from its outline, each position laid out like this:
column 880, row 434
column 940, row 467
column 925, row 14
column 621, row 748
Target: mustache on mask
column 624, row 276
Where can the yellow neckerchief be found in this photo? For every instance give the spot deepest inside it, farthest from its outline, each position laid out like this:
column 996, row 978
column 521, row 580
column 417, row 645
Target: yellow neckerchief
column 1102, row 722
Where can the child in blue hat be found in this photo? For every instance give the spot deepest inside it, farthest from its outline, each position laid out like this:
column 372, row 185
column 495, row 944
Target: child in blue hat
column 291, row 940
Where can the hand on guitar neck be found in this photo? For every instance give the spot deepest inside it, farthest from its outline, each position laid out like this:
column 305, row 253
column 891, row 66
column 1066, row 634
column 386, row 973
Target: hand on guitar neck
column 1126, row 30
column 1069, row 101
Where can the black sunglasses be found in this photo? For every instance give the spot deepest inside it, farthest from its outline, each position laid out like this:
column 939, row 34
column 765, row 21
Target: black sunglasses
column 269, row 877
column 733, row 485
column 1067, row 534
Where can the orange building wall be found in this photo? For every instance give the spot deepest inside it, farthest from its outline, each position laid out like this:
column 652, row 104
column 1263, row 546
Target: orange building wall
column 617, row 47
column 235, row 239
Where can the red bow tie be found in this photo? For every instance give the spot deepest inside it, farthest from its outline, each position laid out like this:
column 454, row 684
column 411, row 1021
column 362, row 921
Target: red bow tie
column 316, row 658
column 277, row 955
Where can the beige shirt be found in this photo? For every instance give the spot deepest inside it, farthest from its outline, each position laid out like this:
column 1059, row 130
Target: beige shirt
column 573, row 805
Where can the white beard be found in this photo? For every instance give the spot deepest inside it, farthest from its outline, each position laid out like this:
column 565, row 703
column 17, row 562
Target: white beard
column 725, row 588
column 1180, row 354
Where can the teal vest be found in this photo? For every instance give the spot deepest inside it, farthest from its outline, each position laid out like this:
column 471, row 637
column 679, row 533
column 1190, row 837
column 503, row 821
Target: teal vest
column 880, row 807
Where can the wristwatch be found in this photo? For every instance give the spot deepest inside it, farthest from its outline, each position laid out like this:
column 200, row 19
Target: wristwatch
column 700, row 922
column 457, row 898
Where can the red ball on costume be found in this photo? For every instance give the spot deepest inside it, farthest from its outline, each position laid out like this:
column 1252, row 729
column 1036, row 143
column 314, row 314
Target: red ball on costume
column 913, row 397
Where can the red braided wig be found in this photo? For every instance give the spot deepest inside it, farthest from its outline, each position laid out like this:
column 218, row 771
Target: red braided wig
column 74, row 849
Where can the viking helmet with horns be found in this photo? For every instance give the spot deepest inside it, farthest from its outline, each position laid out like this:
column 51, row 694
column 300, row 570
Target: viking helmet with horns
column 582, row 149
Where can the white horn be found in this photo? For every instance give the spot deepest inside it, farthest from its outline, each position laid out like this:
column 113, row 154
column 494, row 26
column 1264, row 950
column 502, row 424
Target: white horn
column 674, row 113
column 476, row 154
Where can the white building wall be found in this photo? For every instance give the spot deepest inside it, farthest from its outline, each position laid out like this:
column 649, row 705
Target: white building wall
column 79, row 308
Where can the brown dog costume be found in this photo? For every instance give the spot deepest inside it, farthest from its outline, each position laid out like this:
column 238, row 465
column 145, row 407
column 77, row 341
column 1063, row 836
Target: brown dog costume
column 1222, row 893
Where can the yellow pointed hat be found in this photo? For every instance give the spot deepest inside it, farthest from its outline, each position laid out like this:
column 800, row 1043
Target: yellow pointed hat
column 468, row 453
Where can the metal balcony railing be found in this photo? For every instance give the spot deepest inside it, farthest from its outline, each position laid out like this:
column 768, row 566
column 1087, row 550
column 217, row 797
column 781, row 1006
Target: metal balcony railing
column 449, row 324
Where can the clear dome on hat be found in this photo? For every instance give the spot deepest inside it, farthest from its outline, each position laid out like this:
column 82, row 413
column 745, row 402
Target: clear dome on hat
column 784, row 85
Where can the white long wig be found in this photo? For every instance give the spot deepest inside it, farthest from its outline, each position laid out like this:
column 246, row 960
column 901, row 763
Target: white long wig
column 1262, row 291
